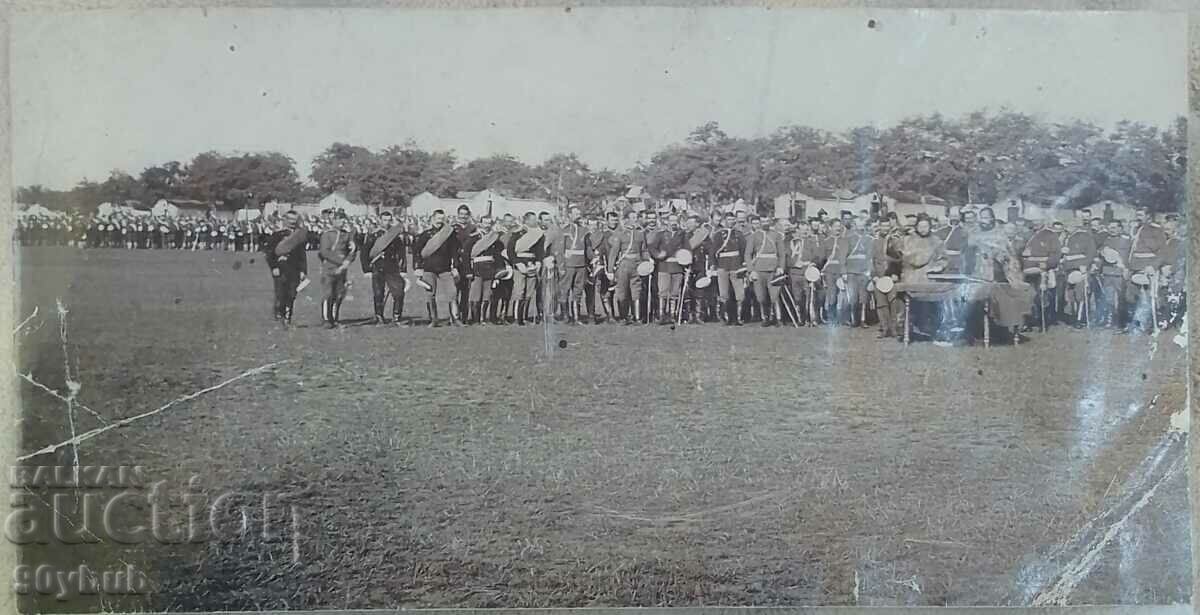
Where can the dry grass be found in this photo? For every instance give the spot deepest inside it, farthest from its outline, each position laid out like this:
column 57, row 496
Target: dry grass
column 636, row 467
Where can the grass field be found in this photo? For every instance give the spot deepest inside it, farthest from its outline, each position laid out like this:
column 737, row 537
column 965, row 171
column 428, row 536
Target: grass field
column 631, row 466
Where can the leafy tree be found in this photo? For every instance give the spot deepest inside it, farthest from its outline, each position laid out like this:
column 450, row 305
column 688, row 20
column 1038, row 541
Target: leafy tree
column 503, row 173
column 341, row 167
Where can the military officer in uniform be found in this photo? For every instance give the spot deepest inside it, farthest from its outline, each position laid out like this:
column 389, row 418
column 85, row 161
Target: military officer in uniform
column 764, row 259
column 436, row 252
column 502, row 293
column 697, row 244
column 600, row 298
column 572, row 260
column 1144, row 256
column 627, row 248
column 804, row 251
column 526, row 252
column 885, row 262
column 336, row 253
column 857, row 270
column 1112, row 273
column 835, row 249
column 483, row 258
column 1039, row 258
column 954, row 243
column 385, row 259
column 727, row 247
column 1079, row 254
column 1173, row 272
column 547, row 282
column 288, row 260
column 464, row 227
column 662, row 245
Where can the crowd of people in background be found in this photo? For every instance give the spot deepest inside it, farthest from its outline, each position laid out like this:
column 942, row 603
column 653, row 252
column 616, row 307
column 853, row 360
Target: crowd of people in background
column 733, row 267
column 149, row 232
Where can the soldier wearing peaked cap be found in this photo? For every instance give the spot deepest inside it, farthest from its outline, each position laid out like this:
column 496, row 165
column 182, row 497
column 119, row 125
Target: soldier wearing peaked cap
column 483, row 259
column 885, row 263
column 727, row 248
column 596, row 288
column 857, row 270
column 954, row 243
column 627, row 248
column 1144, row 257
column 1113, row 249
column 803, row 253
column 286, row 257
column 464, row 227
column 573, row 253
column 1079, row 254
column 836, row 249
column 526, row 252
column 1173, row 272
column 337, row 253
column 1038, row 260
column 663, row 245
column 764, row 259
column 385, row 258
column 697, row 244
column 436, row 254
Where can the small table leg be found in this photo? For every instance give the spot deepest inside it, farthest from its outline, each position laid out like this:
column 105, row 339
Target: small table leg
column 907, row 318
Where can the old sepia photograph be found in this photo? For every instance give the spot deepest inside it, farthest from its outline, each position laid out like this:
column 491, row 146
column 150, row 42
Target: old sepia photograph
column 598, row 307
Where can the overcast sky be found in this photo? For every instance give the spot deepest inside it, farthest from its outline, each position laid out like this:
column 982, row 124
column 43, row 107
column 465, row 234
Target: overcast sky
column 97, row 91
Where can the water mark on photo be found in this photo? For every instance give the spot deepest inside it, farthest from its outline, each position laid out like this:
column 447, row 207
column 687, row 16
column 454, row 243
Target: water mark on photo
column 63, row 583
column 124, row 509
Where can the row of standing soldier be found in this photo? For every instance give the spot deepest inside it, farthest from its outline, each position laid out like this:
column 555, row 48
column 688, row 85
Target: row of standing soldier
column 631, row 269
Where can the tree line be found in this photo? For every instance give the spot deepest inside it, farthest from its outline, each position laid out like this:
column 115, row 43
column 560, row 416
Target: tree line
column 980, row 158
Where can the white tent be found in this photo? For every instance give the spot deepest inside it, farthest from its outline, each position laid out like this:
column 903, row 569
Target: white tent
column 246, row 215
column 105, row 209
column 337, row 200
column 164, row 208
column 426, row 203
